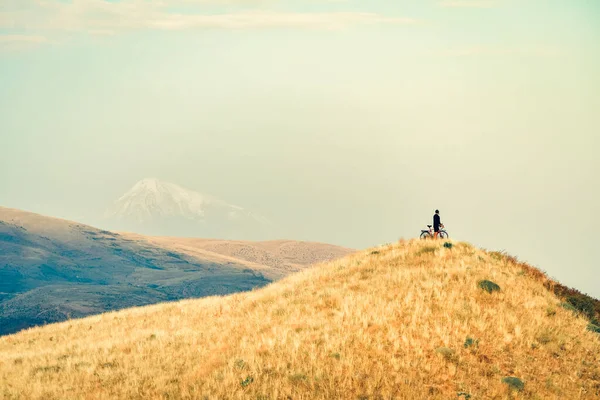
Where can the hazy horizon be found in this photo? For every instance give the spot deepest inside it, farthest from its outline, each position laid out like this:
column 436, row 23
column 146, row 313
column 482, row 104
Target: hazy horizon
column 341, row 121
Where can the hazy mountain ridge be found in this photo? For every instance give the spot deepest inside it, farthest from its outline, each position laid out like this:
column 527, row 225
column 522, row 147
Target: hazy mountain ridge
column 281, row 256
column 53, row 269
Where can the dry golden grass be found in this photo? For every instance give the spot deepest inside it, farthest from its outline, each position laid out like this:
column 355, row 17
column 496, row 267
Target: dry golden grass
column 274, row 258
column 383, row 323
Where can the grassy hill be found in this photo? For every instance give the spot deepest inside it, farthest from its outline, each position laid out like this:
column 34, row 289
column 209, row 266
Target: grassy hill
column 412, row 320
column 274, row 258
column 52, row 270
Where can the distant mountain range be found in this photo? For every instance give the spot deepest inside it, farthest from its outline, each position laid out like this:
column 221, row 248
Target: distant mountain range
column 52, row 269
column 156, row 207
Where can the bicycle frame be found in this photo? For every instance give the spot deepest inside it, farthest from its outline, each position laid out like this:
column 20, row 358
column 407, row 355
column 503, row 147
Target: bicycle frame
column 442, row 232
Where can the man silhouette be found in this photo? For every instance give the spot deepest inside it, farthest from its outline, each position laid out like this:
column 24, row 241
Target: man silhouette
column 436, row 224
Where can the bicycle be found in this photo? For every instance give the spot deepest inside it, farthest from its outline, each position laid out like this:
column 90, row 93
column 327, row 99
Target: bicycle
column 428, row 233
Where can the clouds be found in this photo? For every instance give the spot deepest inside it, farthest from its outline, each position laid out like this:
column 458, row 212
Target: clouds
column 265, row 19
column 101, row 16
column 482, row 50
column 468, row 3
column 7, row 39
column 19, row 42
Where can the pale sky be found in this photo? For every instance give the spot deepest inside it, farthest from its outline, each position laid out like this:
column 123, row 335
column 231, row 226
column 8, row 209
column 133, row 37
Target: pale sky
column 346, row 122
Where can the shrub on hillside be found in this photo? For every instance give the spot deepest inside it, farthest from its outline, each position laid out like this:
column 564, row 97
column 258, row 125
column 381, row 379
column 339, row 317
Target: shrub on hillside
column 593, row 328
column 488, row 286
column 514, row 383
column 568, row 306
column 583, row 304
column 579, row 308
column 448, row 245
column 447, row 353
column 580, row 302
column 246, row 382
column 426, row 250
column 544, row 337
column 298, row 378
column 504, row 257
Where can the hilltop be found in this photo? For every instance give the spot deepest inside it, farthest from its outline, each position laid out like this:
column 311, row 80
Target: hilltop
column 411, row 320
column 52, row 269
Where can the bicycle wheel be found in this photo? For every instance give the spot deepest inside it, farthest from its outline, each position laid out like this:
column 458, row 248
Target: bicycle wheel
column 425, row 235
column 444, row 235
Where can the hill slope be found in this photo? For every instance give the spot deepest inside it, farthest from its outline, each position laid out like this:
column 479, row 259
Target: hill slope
column 407, row 321
column 52, row 269
column 282, row 257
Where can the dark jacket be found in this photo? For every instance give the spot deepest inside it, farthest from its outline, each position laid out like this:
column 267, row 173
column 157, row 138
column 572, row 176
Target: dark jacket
column 436, row 221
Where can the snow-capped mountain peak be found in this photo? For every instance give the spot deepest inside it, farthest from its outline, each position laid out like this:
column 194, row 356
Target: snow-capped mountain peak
column 163, row 208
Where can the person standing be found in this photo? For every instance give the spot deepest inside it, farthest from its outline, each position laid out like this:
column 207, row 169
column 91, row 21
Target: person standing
column 437, row 223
